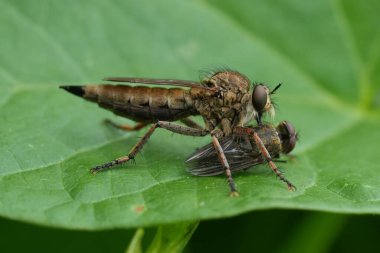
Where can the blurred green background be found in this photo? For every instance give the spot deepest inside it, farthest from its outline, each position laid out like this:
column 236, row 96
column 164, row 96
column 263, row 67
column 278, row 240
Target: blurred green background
column 327, row 53
column 261, row 231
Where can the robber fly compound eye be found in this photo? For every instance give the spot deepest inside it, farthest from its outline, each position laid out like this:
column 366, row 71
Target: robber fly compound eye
column 259, row 97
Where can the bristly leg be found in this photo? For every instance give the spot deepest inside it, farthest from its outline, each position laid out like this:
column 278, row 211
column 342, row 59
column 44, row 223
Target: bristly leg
column 175, row 128
column 226, row 166
column 184, row 130
column 190, row 123
column 259, row 143
column 137, row 127
column 272, row 165
column 139, row 145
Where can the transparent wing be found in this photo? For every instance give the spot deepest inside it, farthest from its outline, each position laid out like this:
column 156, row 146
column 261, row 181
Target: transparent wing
column 173, row 82
column 239, row 154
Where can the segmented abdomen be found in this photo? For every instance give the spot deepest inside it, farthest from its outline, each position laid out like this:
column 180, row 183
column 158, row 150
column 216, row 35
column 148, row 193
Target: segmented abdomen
column 140, row 103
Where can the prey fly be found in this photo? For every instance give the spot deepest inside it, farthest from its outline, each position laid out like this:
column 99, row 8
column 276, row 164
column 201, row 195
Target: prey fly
column 246, row 148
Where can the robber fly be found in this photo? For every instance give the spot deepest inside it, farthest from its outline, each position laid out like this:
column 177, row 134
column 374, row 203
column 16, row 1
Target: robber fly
column 222, row 99
column 245, row 148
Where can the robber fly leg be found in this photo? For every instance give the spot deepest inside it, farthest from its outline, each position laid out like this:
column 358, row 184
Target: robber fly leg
column 138, row 126
column 267, row 157
column 139, row 145
column 226, row 166
column 190, row 123
column 179, row 129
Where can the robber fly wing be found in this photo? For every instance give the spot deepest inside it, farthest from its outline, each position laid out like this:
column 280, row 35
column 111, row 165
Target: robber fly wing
column 173, row 82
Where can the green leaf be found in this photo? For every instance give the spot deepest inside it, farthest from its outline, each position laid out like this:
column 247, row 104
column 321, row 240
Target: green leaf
column 327, row 53
column 169, row 238
column 135, row 245
column 172, row 238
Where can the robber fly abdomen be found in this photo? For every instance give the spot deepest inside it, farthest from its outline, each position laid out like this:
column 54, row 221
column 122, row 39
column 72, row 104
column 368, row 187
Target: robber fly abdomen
column 142, row 104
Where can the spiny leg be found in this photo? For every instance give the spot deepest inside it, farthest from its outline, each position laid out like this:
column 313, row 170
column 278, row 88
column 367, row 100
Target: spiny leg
column 126, row 127
column 190, row 123
column 184, row 130
column 226, row 166
column 272, row 165
column 259, row 143
column 187, row 121
column 139, row 145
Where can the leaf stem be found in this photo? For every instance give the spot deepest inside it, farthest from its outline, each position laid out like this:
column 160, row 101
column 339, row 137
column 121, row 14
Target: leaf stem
column 169, row 238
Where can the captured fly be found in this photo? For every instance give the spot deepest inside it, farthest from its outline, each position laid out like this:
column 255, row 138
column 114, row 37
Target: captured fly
column 223, row 99
column 245, row 148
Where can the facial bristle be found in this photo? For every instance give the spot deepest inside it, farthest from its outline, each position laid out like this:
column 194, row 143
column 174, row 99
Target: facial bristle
column 272, row 112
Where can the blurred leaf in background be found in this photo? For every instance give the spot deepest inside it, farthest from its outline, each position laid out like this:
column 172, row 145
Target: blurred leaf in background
column 327, row 53
column 277, row 231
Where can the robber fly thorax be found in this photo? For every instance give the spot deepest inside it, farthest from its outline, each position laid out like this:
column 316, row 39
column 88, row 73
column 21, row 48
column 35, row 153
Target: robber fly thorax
column 246, row 148
column 230, row 103
column 223, row 99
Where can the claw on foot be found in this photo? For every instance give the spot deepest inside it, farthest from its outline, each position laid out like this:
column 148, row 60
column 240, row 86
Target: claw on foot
column 292, row 188
column 234, row 194
column 93, row 171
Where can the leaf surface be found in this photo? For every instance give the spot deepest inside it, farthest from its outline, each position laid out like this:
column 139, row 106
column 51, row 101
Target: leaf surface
column 327, row 53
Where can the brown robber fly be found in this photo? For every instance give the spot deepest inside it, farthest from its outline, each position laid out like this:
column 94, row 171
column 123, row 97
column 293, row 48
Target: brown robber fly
column 245, row 148
column 222, row 98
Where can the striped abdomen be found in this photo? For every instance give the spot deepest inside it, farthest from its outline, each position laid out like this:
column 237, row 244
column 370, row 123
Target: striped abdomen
column 140, row 103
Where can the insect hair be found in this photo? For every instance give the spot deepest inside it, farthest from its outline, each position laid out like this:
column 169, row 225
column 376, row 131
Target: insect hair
column 206, row 73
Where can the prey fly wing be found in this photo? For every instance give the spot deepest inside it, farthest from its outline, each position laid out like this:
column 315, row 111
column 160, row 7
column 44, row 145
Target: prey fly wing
column 238, row 151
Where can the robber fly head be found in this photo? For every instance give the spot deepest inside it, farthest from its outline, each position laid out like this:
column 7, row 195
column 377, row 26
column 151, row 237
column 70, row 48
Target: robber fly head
column 261, row 99
column 288, row 136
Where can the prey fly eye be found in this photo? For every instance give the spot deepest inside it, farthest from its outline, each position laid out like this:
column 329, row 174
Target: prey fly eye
column 291, row 136
column 290, row 129
column 259, row 97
